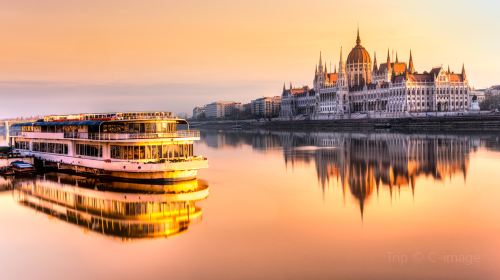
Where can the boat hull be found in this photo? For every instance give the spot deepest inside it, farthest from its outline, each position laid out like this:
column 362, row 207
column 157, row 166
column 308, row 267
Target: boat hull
column 135, row 171
column 156, row 176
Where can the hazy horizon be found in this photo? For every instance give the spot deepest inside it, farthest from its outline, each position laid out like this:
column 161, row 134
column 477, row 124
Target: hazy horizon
column 42, row 98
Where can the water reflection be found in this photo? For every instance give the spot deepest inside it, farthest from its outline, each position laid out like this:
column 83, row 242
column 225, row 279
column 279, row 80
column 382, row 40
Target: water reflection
column 5, row 183
column 362, row 164
column 123, row 210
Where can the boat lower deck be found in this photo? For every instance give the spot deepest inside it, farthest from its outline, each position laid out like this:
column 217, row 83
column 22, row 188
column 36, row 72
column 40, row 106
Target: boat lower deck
column 173, row 175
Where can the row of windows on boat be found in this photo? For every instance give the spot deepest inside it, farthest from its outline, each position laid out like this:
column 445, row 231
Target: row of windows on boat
column 144, row 152
column 134, row 208
column 152, row 152
column 125, row 228
column 148, row 127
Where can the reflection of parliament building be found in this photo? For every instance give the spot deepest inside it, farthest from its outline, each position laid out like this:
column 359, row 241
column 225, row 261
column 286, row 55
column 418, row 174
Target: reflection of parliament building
column 364, row 163
column 362, row 86
column 127, row 215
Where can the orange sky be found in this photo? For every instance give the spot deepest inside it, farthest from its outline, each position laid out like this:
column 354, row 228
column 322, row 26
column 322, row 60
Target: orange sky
column 216, row 43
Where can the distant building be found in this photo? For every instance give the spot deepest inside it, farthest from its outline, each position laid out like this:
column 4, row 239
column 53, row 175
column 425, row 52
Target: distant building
column 198, row 112
column 222, row 109
column 365, row 88
column 478, row 95
column 266, row 107
column 494, row 90
column 361, row 86
column 297, row 101
column 246, row 111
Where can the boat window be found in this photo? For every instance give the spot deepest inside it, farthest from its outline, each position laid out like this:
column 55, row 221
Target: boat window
column 22, row 145
column 54, row 148
column 89, row 150
column 152, row 152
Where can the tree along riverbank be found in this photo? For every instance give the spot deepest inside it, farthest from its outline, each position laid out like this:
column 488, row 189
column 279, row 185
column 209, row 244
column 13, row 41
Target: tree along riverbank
column 469, row 123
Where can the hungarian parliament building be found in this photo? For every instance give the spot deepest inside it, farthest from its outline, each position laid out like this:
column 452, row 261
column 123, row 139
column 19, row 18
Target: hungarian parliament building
column 362, row 87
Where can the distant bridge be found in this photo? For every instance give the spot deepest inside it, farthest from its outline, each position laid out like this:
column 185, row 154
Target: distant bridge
column 6, row 124
column 10, row 122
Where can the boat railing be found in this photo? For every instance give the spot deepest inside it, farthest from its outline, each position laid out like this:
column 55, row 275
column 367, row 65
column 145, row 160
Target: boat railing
column 132, row 136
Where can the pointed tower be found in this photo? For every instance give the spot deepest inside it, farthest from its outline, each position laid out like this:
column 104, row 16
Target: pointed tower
column 397, row 60
column 358, row 39
column 320, row 69
column 375, row 66
column 341, row 63
column 326, row 74
column 342, row 76
column 449, row 69
column 284, row 89
column 464, row 76
column 389, row 67
column 290, row 85
column 388, row 61
column 410, row 64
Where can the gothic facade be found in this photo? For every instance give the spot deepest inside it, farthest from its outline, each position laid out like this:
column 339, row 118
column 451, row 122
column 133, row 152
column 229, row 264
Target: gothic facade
column 362, row 87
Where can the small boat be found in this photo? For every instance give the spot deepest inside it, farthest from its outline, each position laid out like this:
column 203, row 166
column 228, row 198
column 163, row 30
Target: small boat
column 22, row 168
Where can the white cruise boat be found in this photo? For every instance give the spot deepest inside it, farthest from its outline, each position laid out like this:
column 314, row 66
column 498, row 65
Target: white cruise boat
column 131, row 146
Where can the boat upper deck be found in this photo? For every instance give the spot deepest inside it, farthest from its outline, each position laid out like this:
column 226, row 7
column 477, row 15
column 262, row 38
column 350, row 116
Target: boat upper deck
column 107, row 127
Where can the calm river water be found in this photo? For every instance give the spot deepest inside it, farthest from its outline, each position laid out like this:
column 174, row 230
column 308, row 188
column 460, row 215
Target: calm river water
column 272, row 205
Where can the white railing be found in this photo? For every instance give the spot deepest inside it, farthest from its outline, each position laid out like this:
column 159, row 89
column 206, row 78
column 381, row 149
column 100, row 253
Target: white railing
column 108, row 136
column 132, row 136
column 38, row 135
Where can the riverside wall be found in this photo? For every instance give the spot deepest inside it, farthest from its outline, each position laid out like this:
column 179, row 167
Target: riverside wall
column 469, row 123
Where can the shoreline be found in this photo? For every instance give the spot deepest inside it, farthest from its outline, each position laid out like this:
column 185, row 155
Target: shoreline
column 469, row 123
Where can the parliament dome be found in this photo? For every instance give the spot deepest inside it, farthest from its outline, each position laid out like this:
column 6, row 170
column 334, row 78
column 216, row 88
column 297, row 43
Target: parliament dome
column 358, row 54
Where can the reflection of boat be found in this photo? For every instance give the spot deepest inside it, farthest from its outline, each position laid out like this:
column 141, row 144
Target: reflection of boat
column 6, row 171
column 5, row 183
column 128, row 215
column 132, row 146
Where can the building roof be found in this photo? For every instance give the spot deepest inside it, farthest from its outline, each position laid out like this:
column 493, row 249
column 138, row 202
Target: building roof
column 455, row 77
column 398, row 68
column 436, row 70
column 421, row 78
column 332, row 77
column 358, row 54
column 296, row 91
